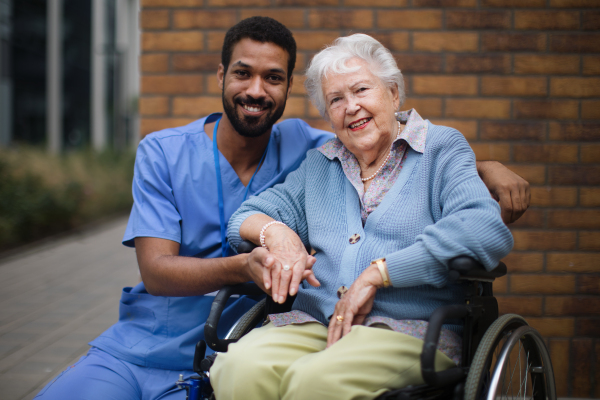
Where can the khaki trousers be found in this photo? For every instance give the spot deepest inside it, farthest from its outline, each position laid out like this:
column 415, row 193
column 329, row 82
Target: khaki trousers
column 291, row 362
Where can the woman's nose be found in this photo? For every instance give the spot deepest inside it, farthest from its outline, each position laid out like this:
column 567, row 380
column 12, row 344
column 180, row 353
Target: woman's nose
column 256, row 89
column 353, row 106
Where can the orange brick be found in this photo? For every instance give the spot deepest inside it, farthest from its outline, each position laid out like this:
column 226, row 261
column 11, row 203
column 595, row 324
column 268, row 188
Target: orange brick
column 491, row 152
column 575, row 87
column 534, row 174
column 572, row 305
column 149, row 125
column 559, row 353
column 295, row 107
column 590, row 153
column 444, row 3
column 522, row 305
column 553, row 196
column 196, row 106
column 154, row 106
column 172, row 3
column 312, row 111
column 531, row 219
column 543, row 240
column 504, row 130
column 171, row 84
column 172, row 41
column 467, row 128
column 500, row 285
column 589, row 197
column 409, row 19
column 154, row 19
column 518, row 261
column 582, row 352
column 477, row 19
column 546, row 109
column 573, row 262
column 574, row 175
column 463, row 63
column 446, row 85
column 589, row 327
column 374, row 3
column 546, row 20
column 589, row 20
column 446, row 41
column 191, row 19
column 478, row 108
column 238, row 3
column 298, row 84
column 513, row 41
column 427, row 108
column 393, row 41
column 542, row 284
column 589, row 241
column 587, row 284
column 574, row 3
column 574, row 219
column 314, row 40
column 291, row 18
column 215, row 40
column 420, row 63
column 575, row 42
column 514, row 3
column 590, row 109
column 591, row 65
column 340, row 19
column 511, row 86
column 546, row 153
column 574, row 131
column 154, row 62
column 553, row 327
column 196, row 62
column 546, row 64
column 212, row 85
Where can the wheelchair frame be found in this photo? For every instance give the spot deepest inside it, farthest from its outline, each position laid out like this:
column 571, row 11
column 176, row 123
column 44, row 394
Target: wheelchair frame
column 493, row 347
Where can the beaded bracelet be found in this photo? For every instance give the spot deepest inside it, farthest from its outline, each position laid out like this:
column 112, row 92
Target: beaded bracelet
column 264, row 228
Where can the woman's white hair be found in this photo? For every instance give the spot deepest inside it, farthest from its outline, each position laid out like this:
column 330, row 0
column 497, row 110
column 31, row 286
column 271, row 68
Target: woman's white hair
column 334, row 58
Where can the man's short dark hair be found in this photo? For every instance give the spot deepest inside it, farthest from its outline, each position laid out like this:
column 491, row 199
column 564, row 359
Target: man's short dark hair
column 264, row 30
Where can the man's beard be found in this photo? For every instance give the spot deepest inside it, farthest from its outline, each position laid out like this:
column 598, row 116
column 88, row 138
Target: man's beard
column 252, row 126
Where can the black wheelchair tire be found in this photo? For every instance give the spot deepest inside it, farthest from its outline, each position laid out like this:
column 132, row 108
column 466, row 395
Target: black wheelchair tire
column 248, row 321
column 507, row 334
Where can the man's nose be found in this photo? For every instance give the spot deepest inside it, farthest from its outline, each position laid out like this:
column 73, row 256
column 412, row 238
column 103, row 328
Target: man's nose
column 256, row 88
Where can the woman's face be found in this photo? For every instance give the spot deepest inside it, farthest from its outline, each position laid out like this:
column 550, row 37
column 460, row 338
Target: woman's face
column 361, row 109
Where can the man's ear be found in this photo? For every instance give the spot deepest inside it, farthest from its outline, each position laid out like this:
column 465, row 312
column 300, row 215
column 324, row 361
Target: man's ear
column 220, row 75
column 289, row 91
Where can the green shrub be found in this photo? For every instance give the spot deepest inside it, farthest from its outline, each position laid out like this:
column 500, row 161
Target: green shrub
column 41, row 194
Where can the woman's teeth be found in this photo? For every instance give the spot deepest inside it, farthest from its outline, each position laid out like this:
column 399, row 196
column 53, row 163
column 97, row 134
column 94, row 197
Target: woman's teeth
column 359, row 123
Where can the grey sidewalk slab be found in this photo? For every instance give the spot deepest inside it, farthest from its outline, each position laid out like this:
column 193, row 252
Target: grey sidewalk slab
column 54, row 300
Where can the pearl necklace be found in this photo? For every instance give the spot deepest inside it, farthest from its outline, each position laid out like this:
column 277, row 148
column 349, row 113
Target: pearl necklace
column 385, row 161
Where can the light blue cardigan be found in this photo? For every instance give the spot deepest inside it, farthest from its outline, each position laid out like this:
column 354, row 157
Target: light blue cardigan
column 437, row 209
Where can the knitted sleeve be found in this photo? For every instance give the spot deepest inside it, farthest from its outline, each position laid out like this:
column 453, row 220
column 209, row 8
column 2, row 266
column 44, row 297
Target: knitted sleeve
column 467, row 219
column 283, row 202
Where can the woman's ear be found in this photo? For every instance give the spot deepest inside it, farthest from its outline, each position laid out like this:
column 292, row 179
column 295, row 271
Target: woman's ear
column 395, row 96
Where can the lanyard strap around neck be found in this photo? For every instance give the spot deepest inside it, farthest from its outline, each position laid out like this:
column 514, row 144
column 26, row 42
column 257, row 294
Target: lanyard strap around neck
column 224, row 243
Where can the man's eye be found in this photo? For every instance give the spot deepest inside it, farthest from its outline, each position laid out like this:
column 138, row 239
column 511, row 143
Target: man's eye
column 241, row 73
column 275, row 78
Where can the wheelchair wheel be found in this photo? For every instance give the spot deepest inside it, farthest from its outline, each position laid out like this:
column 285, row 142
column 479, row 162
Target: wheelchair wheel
column 248, row 321
column 511, row 362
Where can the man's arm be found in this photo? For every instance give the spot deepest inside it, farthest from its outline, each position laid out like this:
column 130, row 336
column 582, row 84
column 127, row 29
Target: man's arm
column 506, row 187
column 165, row 273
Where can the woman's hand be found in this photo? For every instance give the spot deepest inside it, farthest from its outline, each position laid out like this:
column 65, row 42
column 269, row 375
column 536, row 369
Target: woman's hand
column 291, row 263
column 355, row 304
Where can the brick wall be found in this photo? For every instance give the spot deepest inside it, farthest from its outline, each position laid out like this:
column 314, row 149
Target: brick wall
column 519, row 78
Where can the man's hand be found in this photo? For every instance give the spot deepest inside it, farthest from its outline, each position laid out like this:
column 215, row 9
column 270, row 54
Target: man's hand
column 506, row 187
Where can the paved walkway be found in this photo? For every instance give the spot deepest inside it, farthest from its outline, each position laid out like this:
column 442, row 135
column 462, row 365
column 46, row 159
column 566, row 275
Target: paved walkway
column 54, row 300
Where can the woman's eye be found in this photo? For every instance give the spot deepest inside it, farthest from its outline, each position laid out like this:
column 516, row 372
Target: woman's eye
column 335, row 99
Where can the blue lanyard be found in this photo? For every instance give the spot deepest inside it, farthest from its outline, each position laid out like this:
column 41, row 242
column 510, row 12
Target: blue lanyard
column 224, row 244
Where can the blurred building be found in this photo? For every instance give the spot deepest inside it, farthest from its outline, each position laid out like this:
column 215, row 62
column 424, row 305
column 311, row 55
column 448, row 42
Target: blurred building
column 69, row 73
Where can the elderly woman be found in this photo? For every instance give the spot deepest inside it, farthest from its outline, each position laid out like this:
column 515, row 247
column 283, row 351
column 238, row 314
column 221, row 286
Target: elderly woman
column 385, row 206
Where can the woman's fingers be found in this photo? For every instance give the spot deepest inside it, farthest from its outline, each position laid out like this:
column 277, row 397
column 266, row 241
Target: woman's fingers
column 275, row 281
column 268, row 264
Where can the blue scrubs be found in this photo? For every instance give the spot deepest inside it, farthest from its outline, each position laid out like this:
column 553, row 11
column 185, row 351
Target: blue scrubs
column 175, row 198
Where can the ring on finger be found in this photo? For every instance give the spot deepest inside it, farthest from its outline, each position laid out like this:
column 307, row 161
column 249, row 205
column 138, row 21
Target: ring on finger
column 340, row 318
column 286, row 267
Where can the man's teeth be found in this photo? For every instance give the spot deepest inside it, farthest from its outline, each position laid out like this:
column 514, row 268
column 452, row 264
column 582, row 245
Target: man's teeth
column 252, row 109
column 359, row 123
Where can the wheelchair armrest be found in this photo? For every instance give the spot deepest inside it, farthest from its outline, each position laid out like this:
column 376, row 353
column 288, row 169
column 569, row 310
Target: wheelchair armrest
column 466, row 268
column 216, row 309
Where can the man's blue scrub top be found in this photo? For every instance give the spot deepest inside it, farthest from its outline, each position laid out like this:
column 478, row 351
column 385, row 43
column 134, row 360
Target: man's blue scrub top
column 175, row 198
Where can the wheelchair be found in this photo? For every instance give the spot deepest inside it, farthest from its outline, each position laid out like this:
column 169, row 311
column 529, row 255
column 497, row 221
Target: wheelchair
column 502, row 357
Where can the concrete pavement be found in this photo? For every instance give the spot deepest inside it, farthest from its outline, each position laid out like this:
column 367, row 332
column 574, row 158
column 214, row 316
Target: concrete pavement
column 55, row 299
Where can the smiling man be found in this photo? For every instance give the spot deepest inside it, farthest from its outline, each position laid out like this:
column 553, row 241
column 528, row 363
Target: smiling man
column 188, row 181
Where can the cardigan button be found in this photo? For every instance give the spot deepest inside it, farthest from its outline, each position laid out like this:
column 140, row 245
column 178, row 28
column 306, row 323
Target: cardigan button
column 354, row 238
column 341, row 291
